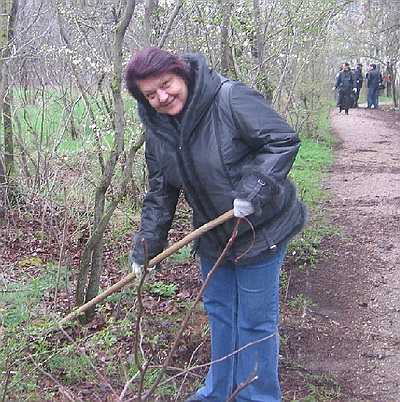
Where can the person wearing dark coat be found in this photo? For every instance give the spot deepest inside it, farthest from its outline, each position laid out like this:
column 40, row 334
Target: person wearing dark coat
column 358, row 76
column 223, row 146
column 346, row 84
column 374, row 78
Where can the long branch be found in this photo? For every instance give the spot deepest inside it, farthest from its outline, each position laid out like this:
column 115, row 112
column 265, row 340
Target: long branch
column 200, row 366
column 157, row 259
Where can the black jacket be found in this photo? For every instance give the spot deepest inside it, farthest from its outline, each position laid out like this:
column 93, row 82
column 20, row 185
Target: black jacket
column 358, row 77
column 228, row 143
column 374, row 78
column 345, row 81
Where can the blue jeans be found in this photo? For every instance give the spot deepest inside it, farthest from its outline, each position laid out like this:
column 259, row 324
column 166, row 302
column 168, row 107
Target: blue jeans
column 242, row 302
column 373, row 97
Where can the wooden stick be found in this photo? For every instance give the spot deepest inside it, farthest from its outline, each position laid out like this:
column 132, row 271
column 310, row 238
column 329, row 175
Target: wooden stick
column 154, row 261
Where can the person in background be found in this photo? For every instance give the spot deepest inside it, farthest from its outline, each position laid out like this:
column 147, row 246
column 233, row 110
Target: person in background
column 358, row 76
column 346, row 84
column 374, row 78
column 223, row 145
column 337, row 75
column 388, row 78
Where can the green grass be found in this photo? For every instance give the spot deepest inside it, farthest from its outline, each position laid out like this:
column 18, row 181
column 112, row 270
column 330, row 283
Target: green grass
column 62, row 159
column 50, row 120
column 313, row 162
column 182, row 255
column 316, row 387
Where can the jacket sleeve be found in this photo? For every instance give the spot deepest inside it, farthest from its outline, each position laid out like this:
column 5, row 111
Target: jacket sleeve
column 158, row 211
column 338, row 79
column 273, row 144
column 353, row 81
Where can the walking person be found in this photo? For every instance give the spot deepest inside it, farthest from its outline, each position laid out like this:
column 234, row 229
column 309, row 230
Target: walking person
column 374, row 78
column 358, row 76
column 346, row 84
column 223, row 145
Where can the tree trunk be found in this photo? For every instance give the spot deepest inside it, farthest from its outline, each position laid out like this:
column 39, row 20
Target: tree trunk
column 91, row 263
column 150, row 7
column 8, row 134
column 9, row 8
column 2, row 193
column 258, row 48
column 225, row 45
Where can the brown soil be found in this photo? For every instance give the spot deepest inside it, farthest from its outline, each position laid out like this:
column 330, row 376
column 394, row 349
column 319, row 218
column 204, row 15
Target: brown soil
column 353, row 334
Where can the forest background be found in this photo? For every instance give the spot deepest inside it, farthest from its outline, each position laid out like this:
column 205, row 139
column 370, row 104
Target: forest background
column 72, row 169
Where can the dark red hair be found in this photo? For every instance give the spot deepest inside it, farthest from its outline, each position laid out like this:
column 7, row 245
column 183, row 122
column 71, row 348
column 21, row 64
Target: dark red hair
column 153, row 61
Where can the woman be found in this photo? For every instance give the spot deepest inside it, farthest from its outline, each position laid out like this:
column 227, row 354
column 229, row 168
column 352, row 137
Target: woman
column 221, row 144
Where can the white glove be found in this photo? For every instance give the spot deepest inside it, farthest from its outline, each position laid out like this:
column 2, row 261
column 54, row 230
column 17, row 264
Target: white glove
column 354, row 90
column 333, row 88
column 136, row 268
column 242, row 208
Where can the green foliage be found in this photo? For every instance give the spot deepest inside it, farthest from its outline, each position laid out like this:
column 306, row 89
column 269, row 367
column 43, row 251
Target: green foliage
column 300, row 302
column 183, row 255
column 52, row 120
column 304, row 248
column 317, row 388
column 64, row 143
column 312, row 162
column 161, row 289
column 70, row 367
column 311, row 165
column 16, row 302
column 31, row 261
column 30, row 340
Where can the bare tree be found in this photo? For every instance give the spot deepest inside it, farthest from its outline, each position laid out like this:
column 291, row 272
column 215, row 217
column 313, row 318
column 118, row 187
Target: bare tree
column 91, row 262
column 227, row 8
column 9, row 9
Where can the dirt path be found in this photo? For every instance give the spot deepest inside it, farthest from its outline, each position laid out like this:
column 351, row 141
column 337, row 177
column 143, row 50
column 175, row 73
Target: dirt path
column 353, row 333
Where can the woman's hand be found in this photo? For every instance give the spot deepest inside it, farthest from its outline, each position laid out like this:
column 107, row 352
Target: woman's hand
column 242, row 208
column 136, row 268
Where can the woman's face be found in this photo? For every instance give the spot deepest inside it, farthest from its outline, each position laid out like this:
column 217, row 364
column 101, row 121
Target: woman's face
column 167, row 93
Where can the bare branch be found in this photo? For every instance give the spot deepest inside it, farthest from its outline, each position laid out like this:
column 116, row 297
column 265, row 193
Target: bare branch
column 189, row 370
column 178, row 6
column 242, row 386
column 60, row 387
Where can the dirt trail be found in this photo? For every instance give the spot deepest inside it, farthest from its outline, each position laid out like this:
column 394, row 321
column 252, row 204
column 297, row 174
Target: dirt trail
column 353, row 333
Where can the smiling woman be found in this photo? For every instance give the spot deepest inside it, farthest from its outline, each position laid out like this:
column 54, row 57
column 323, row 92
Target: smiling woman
column 222, row 144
